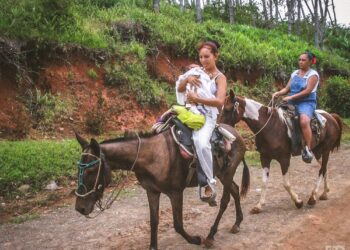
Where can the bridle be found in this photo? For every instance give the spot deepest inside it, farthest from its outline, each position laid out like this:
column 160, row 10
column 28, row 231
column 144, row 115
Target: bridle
column 82, row 167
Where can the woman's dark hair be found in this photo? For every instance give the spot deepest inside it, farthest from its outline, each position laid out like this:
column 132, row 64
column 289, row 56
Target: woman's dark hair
column 212, row 45
column 311, row 56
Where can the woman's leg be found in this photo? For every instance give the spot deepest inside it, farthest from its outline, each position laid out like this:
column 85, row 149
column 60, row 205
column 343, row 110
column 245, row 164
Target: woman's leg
column 306, row 129
column 306, row 111
column 201, row 139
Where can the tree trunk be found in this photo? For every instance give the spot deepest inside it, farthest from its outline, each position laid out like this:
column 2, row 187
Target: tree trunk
column 335, row 16
column 271, row 9
column 299, row 18
column 265, row 10
column 290, row 7
column 182, row 6
column 199, row 11
column 276, row 10
column 231, row 11
column 156, row 6
column 323, row 13
column 317, row 25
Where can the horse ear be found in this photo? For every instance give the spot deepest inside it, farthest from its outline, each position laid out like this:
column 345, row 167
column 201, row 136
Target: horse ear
column 95, row 147
column 83, row 143
column 232, row 94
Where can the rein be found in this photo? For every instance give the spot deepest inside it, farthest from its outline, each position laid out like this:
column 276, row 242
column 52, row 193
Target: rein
column 236, row 105
column 272, row 106
column 114, row 195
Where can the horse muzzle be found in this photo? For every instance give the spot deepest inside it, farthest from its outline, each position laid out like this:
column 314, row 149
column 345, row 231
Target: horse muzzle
column 84, row 206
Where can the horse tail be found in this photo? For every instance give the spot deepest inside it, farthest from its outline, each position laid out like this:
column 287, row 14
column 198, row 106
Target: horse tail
column 340, row 124
column 245, row 180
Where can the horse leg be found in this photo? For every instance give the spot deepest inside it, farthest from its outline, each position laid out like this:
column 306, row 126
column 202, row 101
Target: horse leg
column 176, row 199
column 284, row 166
column 265, row 163
column 239, row 214
column 209, row 241
column 324, row 195
column 321, row 175
column 153, row 202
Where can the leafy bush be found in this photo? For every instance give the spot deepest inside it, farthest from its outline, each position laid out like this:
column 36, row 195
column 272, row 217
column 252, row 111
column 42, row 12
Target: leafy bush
column 262, row 91
column 130, row 72
column 35, row 17
column 336, row 95
column 44, row 108
column 338, row 40
column 95, row 117
column 92, row 74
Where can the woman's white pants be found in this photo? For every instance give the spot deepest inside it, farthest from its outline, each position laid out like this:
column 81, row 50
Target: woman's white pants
column 201, row 139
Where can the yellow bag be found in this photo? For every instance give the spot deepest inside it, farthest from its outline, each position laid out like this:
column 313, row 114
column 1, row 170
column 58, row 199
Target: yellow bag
column 193, row 121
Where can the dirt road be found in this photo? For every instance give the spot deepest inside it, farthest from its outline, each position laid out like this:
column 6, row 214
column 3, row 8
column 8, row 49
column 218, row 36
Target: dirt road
column 279, row 226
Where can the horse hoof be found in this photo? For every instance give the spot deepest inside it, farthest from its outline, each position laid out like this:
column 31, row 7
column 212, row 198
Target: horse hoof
column 299, row 204
column 235, row 229
column 311, row 201
column 323, row 197
column 197, row 240
column 255, row 210
column 208, row 242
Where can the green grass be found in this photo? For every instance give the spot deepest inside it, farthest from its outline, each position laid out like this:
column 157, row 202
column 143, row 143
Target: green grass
column 23, row 218
column 36, row 163
column 252, row 158
column 346, row 131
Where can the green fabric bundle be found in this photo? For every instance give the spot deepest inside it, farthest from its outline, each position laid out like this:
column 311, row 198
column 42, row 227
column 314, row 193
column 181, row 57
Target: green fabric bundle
column 191, row 120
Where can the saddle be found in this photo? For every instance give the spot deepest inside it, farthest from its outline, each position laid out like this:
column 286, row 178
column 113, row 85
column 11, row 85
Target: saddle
column 291, row 116
column 221, row 141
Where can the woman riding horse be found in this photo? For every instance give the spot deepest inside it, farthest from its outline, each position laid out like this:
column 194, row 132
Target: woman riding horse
column 302, row 87
column 204, row 89
column 273, row 142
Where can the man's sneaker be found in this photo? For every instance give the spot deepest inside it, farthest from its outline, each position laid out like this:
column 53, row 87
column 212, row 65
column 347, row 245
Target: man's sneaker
column 307, row 155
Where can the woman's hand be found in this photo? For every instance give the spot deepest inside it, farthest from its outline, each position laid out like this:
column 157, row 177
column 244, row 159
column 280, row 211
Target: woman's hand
column 193, row 80
column 276, row 95
column 192, row 97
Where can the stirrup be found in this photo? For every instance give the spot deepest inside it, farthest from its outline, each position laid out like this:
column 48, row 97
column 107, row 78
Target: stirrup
column 209, row 199
column 307, row 155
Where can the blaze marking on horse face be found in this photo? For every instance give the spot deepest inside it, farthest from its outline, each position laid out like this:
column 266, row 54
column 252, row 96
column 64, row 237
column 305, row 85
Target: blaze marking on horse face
column 252, row 109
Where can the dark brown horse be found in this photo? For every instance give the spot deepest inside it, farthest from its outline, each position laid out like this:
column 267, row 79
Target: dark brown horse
column 273, row 142
column 160, row 168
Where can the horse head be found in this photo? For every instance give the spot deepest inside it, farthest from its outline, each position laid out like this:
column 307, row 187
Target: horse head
column 93, row 176
column 233, row 109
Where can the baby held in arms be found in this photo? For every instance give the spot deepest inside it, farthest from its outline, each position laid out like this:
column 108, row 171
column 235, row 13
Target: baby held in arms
column 203, row 90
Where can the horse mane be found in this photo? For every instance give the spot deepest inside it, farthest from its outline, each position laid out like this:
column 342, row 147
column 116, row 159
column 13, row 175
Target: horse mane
column 129, row 135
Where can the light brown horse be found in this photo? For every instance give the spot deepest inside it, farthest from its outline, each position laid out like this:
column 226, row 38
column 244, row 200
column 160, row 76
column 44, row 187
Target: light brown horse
column 160, row 168
column 273, row 142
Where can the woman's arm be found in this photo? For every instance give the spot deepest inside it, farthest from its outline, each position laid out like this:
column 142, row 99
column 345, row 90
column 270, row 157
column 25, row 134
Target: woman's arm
column 218, row 101
column 309, row 87
column 283, row 91
column 193, row 80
